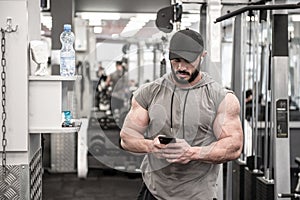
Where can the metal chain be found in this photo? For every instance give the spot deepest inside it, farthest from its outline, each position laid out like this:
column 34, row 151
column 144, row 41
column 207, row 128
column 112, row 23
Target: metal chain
column 3, row 90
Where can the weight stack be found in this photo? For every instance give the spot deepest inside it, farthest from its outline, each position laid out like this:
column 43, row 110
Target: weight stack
column 238, row 169
column 264, row 189
column 250, row 183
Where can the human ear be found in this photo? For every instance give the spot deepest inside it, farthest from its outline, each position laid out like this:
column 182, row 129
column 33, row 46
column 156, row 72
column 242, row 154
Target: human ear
column 204, row 53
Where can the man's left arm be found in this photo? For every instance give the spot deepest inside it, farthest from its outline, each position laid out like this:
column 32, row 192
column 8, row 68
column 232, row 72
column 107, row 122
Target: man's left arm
column 228, row 131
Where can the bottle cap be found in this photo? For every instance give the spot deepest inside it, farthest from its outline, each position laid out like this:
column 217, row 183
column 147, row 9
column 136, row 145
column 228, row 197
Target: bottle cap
column 67, row 27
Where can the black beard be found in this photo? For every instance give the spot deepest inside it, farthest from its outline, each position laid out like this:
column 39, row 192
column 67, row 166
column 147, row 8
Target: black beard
column 193, row 76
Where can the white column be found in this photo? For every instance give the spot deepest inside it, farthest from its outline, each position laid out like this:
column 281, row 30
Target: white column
column 213, row 40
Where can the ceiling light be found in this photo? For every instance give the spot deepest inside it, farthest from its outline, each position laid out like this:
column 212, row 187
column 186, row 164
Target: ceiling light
column 191, row 17
column 103, row 16
column 127, row 34
column 46, row 20
column 186, row 24
column 97, row 29
column 115, row 36
column 95, row 22
column 136, row 23
column 138, row 19
column 146, row 16
column 295, row 18
column 95, row 18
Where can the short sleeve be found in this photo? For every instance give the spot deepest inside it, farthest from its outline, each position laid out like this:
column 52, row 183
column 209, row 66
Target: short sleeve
column 219, row 94
column 141, row 95
column 146, row 92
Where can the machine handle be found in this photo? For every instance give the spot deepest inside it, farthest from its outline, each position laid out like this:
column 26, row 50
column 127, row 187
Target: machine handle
column 294, row 195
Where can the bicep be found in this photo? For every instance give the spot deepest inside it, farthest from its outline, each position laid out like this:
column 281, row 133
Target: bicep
column 227, row 122
column 136, row 120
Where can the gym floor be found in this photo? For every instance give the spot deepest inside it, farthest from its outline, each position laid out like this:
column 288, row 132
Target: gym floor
column 99, row 184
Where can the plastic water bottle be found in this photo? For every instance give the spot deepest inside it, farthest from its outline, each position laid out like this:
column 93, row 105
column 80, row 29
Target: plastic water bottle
column 67, row 52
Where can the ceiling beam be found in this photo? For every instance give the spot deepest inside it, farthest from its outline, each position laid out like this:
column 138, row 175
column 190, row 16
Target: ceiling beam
column 121, row 6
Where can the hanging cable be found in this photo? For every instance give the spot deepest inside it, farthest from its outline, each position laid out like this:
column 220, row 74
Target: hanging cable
column 8, row 29
column 3, row 90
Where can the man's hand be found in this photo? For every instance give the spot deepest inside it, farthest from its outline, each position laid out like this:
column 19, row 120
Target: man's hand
column 179, row 152
column 157, row 148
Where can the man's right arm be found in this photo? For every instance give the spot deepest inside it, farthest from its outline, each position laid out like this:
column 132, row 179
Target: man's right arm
column 108, row 79
column 135, row 124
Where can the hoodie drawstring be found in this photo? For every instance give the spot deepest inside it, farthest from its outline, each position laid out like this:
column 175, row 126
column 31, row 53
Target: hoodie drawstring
column 183, row 111
column 172, row 98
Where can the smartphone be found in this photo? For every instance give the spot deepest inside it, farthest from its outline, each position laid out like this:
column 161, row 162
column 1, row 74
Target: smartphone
column 166, row 139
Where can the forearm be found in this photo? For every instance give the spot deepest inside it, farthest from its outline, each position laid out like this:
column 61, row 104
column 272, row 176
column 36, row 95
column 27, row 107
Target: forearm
column 217, row 152
column 107, row 82
column 135, row 142
column 134, row 127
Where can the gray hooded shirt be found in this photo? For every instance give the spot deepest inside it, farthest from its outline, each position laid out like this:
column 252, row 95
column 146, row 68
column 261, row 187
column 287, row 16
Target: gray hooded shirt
column 190, row 112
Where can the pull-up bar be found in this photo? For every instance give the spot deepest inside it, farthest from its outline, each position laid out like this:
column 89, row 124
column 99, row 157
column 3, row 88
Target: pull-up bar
column 257, row 7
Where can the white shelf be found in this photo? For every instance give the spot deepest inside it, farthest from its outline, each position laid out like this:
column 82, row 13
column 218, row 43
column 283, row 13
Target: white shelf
column 48, row 97
column 54, row 130
column 62, row 130
column 54, row 78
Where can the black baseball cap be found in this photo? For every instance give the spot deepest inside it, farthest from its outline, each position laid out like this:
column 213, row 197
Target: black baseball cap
column 186, row 44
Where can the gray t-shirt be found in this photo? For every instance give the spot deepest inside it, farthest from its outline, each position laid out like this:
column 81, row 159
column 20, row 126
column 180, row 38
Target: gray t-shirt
column 193, row 113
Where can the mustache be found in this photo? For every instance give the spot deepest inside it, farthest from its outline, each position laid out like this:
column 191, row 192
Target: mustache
column 183, row 72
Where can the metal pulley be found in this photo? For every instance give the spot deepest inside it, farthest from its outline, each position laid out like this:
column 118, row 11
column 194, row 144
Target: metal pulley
column 168, row 15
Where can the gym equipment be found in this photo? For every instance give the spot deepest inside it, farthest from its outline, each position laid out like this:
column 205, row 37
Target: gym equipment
column 279, row 137
column 295, row 195
column 166, row 15
column 297, row 189
column 105, row 152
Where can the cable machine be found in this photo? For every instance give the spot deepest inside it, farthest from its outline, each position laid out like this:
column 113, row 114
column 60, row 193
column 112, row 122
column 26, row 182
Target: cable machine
column 276, row 143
